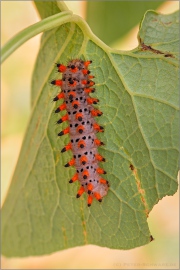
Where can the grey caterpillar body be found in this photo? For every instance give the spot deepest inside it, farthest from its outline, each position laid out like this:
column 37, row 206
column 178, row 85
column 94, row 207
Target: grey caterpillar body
column 76, row 85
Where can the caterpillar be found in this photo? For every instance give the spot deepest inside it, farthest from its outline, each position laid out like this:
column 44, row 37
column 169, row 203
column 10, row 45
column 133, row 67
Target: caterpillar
column 76, row 85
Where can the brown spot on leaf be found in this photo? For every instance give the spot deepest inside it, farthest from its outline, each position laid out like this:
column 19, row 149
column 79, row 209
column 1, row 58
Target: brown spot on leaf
column 145, row 47
column 131, row 167
column 168, row 55
column 151, row 238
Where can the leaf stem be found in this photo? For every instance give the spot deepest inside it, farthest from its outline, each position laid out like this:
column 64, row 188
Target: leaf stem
column 45, row 25
column 33, row 30
column 62, row 6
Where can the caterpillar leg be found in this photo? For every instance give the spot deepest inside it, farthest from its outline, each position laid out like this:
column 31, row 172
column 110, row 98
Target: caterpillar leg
column 90, row 199
column 80, row 192
column 74, row 178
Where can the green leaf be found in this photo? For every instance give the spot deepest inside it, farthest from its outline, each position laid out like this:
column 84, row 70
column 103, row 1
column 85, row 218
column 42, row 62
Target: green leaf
column 110, row 21
column 161, row 32
column 138, row 93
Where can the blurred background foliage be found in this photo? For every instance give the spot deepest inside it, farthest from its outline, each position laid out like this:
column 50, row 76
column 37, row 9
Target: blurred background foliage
column 116, row 23
column 110, row 21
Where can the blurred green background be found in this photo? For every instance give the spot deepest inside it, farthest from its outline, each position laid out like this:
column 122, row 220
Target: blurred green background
column 112, row 20
column 117, row 26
